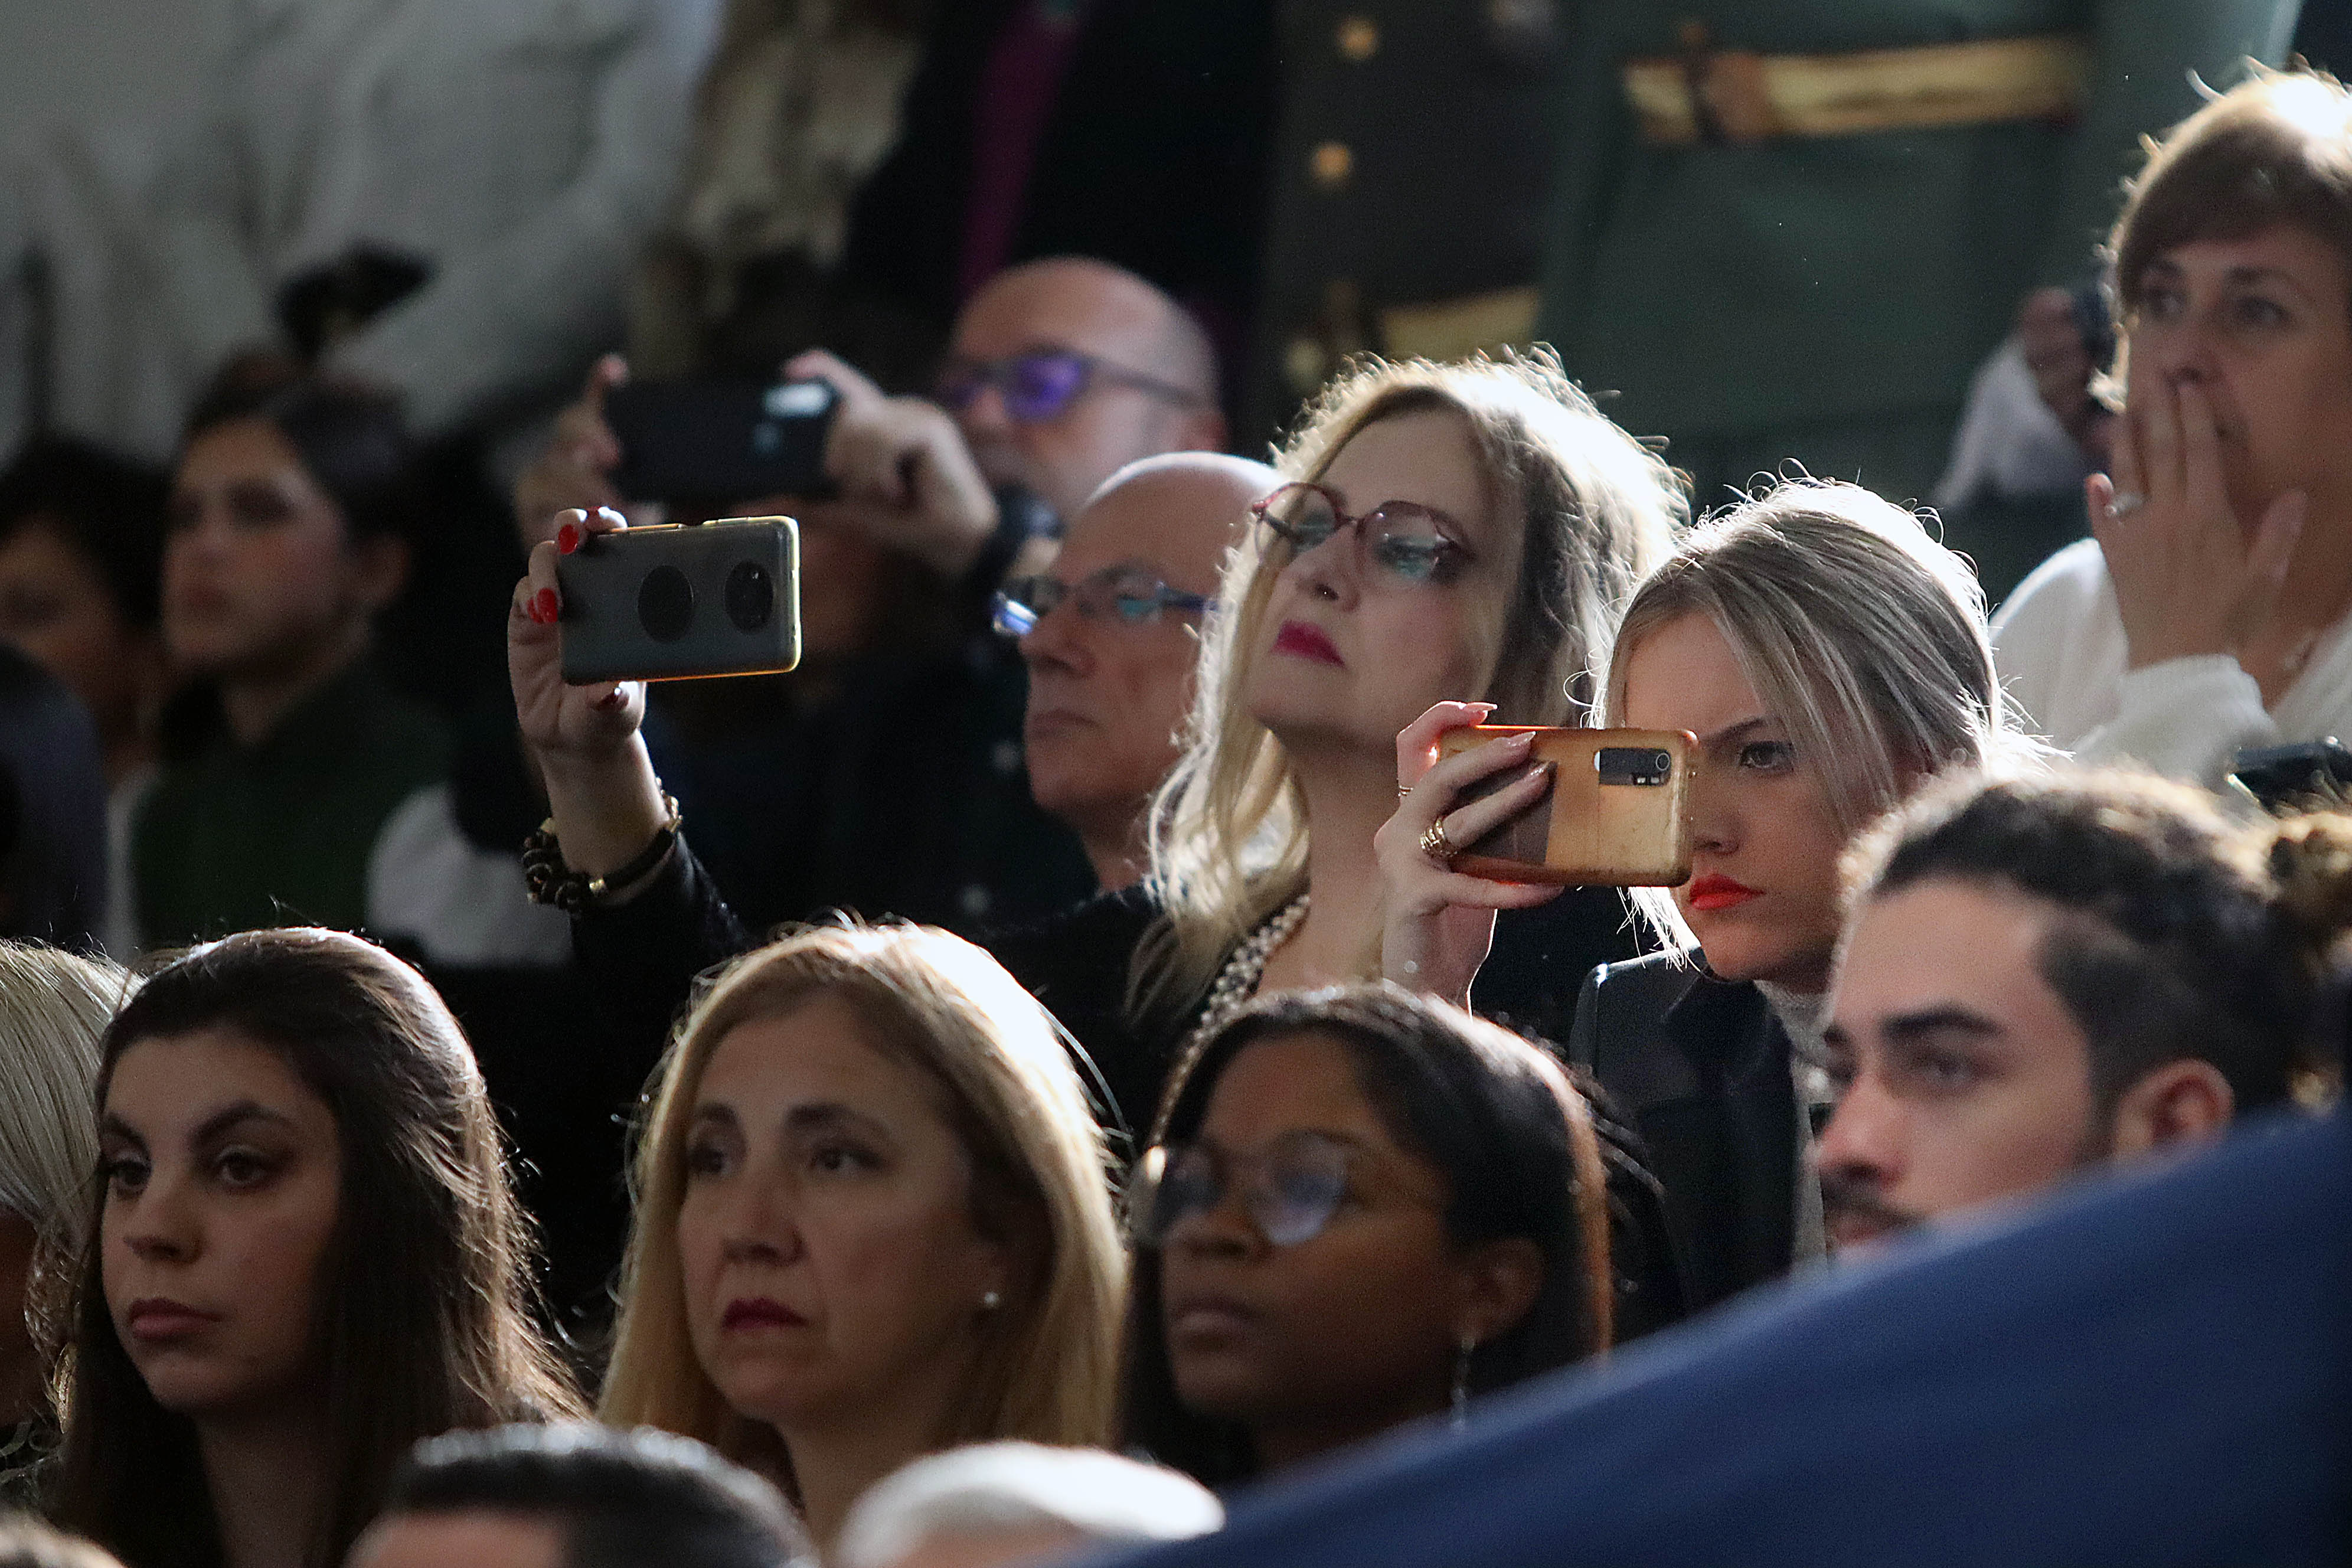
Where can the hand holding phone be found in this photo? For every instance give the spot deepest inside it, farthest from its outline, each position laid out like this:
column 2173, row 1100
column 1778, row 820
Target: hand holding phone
column 1615, row 816
column 680, row 602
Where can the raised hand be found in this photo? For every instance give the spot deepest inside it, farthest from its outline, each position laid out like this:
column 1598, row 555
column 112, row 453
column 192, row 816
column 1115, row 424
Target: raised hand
column 601, row 788
column 906, row 479
column 2190, row 576
column 1438, row 925
column 575, row 473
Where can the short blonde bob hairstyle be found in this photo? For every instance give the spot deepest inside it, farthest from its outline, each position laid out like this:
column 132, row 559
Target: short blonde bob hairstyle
column 1048, row 1362
column 1595, row 508
column 1859, row 633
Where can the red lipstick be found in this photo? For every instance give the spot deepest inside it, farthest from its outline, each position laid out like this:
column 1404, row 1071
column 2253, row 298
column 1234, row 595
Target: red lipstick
column 759, row 1312
column 1716, row 891
column 1304, row 639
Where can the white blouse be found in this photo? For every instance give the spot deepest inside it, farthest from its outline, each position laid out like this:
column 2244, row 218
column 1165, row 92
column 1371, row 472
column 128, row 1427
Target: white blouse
column 2060, row 646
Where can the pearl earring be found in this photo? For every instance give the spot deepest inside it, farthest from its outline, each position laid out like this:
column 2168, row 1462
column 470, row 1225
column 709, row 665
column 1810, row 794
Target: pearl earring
column 991, row 1300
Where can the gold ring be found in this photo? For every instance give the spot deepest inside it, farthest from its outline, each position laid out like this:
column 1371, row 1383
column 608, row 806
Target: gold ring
column 2125, row 503
column 1404, row 790
column 1436, row 846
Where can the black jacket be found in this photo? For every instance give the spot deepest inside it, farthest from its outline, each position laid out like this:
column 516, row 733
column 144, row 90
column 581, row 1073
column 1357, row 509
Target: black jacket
column 1699, row 1067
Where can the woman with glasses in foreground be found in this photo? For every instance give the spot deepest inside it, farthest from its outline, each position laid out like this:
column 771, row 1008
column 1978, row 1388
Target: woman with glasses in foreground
column 1459, row 527
column 1364, row 1208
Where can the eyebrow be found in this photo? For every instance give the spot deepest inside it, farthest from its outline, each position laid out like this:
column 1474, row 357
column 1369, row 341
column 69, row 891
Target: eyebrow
column 1946, row 1018
column 216, row 1125
column 1734, row 731
column 825, row 1115
column 2235, row 275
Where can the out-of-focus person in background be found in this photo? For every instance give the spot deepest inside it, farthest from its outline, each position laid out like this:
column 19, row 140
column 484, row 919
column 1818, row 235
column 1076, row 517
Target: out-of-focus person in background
column 1411, row 158
column 53, row 831
column 2039, row 978
column 54, row 1006
column 307, row 786
column 872, row 1220
column 444, row 198
column 999, row 1505
column 573, row 1495
column 81, row 549
column 1864, row 189
column 2212, row 610
column 1111, row 634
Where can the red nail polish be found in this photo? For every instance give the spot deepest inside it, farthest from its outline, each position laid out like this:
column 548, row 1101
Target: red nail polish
column 567, row 539
column 543, row 606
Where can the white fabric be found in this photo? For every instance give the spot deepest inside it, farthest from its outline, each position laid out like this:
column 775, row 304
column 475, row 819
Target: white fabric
column 2010, row 443
column 462, row 904
column 2060, row 646
column 1805, row 1017
column 525, row 148
column 119, row 936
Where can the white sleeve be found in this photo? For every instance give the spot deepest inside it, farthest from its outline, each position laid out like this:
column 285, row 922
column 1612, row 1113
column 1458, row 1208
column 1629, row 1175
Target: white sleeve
column 462, row 904
column 2186, row 718
column 533, row 307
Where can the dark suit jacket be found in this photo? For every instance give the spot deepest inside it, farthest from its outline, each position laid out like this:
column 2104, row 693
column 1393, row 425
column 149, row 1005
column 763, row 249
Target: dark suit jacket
column 1699, row 1069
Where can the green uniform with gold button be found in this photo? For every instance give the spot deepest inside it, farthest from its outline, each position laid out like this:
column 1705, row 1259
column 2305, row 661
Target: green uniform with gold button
column 1412, row 156
column 1826, row 298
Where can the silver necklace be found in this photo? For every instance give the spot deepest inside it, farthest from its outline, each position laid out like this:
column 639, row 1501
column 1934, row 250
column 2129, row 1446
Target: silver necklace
column 1237, row 982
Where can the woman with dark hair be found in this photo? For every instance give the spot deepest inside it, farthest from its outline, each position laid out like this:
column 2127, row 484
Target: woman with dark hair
column 1361, row 1207
column 282, row 544
column 306, row 1258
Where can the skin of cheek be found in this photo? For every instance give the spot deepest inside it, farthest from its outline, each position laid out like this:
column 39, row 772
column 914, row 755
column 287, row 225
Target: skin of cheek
column 1137, row 693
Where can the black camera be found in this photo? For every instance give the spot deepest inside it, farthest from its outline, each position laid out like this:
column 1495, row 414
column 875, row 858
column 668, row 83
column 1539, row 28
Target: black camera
column 721, row 442
column 1633, row 765
column 682, row 601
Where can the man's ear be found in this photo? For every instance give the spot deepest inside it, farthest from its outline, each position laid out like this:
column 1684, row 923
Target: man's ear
column 1497, row 1284
column 383, row 562
column 2183, row 1102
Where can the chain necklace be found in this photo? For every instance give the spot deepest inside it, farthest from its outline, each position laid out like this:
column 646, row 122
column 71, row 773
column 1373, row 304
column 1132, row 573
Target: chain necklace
column 1237, row 982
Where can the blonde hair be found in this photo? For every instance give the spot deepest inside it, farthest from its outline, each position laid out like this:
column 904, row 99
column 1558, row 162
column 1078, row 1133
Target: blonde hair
column 1048, row 1363
column 1228, row 829
column 1859, row 633
column 54, row 1006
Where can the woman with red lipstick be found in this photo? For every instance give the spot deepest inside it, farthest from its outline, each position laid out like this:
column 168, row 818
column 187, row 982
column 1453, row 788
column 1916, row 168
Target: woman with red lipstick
column 872, row 1221
column 306, row 1257
column 1829, row 657
column 2213, row 609
column 1466, row 527
column 1364, row 1209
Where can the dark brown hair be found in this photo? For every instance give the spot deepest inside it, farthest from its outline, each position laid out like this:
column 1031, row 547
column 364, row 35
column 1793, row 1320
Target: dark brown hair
column 1498, row 1118
column 2182, row 934
column 422, row 1323
column 2276, row 150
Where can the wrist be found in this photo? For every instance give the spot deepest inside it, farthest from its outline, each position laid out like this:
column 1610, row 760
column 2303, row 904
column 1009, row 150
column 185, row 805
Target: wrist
column 605, row 811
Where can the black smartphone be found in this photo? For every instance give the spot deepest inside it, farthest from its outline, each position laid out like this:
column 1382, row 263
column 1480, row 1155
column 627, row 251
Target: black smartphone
column 704, row 441
column 2304, row 776
column 683, row 601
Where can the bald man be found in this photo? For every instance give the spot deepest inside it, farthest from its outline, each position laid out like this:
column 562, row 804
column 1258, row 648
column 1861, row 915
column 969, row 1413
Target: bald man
column 1111, row 637
column 1059, row 373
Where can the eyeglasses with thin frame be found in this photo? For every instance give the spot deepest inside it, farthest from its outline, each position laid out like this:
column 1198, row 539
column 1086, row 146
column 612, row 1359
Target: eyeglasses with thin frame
column 1038, row 384
column 1409, row 543
column 1291, row 1190
column 1123, row 596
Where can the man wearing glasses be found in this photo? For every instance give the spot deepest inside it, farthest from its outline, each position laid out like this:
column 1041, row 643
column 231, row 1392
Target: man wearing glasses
column 1059, row 373
column 1111, row 634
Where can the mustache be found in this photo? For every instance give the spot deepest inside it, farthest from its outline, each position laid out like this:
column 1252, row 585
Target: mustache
column 1847, row 1194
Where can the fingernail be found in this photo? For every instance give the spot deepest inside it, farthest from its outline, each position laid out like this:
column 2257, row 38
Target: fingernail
column 543, row 606
column 612, row 698
column 609, row 515
column 1521, row 741
column 567, row 539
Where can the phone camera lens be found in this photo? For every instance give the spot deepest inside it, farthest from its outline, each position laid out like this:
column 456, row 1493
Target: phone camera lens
column 1663, row 760
column 751, row 595
column 666, row 603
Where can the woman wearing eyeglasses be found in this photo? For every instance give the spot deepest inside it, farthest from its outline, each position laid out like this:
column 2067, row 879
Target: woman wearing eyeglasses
column 1450, row 527
column 1364, row 1208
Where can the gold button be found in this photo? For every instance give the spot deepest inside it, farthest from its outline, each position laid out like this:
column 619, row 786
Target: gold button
column 1358, row 39
column 1331, row 163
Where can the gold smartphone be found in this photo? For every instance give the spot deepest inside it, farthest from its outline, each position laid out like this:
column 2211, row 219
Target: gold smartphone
column 1615, row 816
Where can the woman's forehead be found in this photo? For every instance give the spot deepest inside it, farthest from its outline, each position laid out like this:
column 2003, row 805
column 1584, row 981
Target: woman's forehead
column 1424, row 456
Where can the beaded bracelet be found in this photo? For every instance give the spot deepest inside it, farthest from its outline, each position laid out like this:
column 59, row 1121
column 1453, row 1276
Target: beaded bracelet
column 548, row 881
